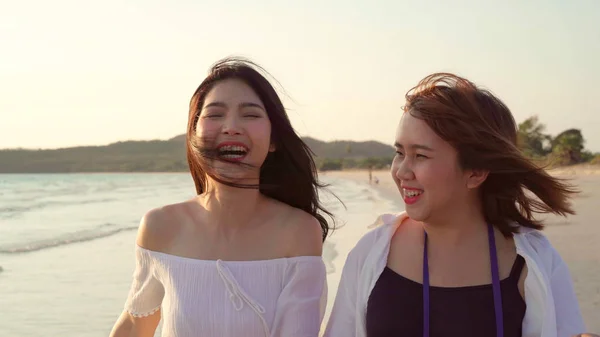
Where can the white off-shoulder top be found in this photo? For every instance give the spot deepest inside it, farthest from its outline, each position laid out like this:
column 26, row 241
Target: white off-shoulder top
column 266, row 298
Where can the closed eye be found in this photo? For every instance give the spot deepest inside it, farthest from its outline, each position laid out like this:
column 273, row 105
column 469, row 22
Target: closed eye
column 418, row 155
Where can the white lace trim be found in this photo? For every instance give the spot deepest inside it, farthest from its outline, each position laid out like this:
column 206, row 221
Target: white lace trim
column 139, row 314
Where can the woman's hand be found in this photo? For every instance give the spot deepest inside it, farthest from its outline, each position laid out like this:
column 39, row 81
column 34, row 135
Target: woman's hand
column 586, row 335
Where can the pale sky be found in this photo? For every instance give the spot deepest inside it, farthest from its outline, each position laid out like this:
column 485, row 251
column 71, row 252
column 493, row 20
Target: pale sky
column 78, row 72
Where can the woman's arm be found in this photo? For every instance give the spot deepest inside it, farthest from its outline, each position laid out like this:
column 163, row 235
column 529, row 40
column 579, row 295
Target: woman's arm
column 142, row 308
column 129, row 326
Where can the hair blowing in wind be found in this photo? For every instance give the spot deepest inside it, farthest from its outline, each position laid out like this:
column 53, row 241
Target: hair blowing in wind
column 483, row 130
column 288, row 174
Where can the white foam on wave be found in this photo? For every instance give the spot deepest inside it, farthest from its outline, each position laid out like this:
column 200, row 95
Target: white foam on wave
column 101, row 231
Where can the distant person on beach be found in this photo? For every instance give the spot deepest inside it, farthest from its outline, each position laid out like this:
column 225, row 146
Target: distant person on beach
column 243, row 257
column 467, row 257
column 371, row 178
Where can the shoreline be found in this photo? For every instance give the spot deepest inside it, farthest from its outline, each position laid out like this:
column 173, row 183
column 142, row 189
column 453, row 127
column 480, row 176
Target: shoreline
column 386, row 187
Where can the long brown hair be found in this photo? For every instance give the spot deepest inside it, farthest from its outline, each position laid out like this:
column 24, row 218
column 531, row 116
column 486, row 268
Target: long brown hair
column 288, row 174
column 483, row 131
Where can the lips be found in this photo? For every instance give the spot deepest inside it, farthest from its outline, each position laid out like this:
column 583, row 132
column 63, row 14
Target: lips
column 232, row 151
column 411, row 195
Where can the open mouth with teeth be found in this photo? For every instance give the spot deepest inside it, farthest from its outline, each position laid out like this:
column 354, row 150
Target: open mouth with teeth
column 411, row 196
column 232, row 152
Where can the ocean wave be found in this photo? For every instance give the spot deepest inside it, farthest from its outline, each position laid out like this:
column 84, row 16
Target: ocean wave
column 13, row 211
column 101, row 231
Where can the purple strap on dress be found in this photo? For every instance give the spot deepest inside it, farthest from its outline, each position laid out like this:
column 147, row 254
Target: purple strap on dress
column 495, row 285
column 425, row 290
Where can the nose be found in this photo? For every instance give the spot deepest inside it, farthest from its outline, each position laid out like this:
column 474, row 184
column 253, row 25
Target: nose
column 231, row 126
column 403, row 169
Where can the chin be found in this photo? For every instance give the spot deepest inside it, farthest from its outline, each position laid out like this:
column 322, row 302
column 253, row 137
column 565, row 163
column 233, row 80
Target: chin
column 416, row 214
column 234, row 174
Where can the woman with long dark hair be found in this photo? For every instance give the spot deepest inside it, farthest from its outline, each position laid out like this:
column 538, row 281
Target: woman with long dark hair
column 243, row 258
column 467, row 257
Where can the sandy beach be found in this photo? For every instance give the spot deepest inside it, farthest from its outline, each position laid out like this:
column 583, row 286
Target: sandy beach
column 575, row 238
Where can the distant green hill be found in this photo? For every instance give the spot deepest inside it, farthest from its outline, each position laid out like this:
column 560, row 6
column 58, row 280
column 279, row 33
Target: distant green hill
column 169, row 156
column 348, row 149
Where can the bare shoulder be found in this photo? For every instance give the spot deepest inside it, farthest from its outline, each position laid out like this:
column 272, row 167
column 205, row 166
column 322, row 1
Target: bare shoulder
column 160, row 226
column 303, row 232
column 307, row 234
column 409, row 234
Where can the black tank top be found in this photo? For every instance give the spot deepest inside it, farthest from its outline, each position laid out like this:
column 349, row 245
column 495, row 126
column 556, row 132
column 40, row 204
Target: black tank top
column 395, row 308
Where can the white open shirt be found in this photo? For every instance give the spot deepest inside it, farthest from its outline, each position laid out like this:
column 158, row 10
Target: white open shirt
column 552, row 306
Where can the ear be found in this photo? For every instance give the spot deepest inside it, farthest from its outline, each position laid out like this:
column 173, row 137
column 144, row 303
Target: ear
column 272, row 147
column 476, row 177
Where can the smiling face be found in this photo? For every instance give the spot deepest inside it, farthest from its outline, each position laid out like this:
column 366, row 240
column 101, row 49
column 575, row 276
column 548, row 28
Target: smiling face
column 427, row 171
column 235, row 121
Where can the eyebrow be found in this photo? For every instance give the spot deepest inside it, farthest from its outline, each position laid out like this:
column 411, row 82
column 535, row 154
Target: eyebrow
column 242, row 105
column 414, row 146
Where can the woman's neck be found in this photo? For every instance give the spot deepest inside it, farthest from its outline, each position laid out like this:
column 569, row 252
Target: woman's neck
column 456, row 227
column 231, row 207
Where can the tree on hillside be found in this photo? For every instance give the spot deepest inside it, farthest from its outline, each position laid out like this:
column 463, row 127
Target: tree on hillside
column 567, row 147
column 532, row 139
